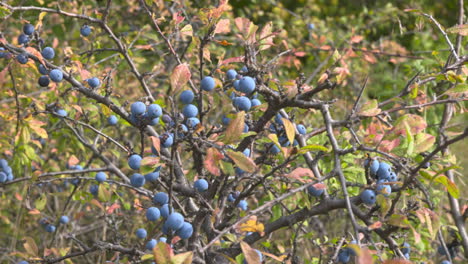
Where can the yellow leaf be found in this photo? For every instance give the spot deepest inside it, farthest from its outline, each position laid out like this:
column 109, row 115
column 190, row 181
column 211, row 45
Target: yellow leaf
column 290, row 131
column 252, row 225
column 245, row 163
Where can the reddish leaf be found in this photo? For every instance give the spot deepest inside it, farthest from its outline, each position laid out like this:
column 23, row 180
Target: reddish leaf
column 233, row 59
column 112, row 208
column 299, row 173
column 180, row 76
column 156, row 143
column 213, row 156
column 223, row 26
column 72, row 161
column 36, row 53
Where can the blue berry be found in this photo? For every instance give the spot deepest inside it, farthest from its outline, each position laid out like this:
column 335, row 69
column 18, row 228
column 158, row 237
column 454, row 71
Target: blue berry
column 61, row 113
column 64, row 219
column 384, row 189
column 231, row 74
column 185, row 231
column 154, row 110
column 374, row 167
column 186, row 97
column 3, row 53
column 134, row 161
column 48, row 53
column 192, row 122
column 247, row 85
column 85, row 30
column 93, row 82
column 274, row 149
column 405, row 248
column 161, row 198
column 28, row 29
column 112, row 120
column 152, row 176
column 301, row 129
column 94, row 189
column 207, row 83
column 314, row 191
column 152, row 214
column 231, row 198
column 164, row 210
column 56, row 75
column 50, row 228
column 368, row 197
column 43, row 81
column 175, row 221
column 166, row 140
column 242, row 103
column 23, row 39
column 43, row 70
column 3, row 176
column 190, row 110
column 151, row 244
column 255, row 102
column 141, row 233
column 236, row 86
column 101, row 177
column 344, row 256
column 137, row 180
column 310, row 26
column 243, row 205
column 201, row 185
column 138, row 108
column 23, row 262
column 22, row 58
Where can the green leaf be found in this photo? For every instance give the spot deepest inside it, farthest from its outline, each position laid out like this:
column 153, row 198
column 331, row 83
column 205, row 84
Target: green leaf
column 460, row 88
column 104, row 194
column 4, row 12
column 399, row 220
column 410, row 140
column 313, row 147
column 450, row 185
column 40, row 202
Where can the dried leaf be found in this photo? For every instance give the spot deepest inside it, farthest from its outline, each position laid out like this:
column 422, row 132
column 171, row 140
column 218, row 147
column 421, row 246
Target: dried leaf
column 250, row 254
column 30, row 246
